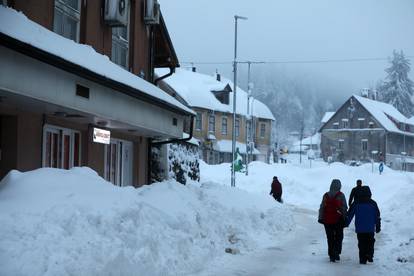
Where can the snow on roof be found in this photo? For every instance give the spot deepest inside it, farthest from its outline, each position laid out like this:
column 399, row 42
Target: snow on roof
column 411, row 121
column 195, row 89
column 380, row 111
column 18, row 26
column 314, row 140
column 193, row 140
column 226, row 146
column 327, row 116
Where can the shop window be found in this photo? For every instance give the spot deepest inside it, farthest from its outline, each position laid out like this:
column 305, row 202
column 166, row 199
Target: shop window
column 66, row 19
column 61, row 147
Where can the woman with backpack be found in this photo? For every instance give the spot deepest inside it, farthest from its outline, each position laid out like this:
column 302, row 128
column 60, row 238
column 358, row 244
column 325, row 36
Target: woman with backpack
column 332, row 214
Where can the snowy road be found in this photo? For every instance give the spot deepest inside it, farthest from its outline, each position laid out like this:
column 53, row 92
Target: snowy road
column 303, row 254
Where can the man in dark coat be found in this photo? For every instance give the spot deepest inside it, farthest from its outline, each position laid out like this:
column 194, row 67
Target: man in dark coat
column 276, row 190
column 367, row 221
column 355, row 192
column 332, row 214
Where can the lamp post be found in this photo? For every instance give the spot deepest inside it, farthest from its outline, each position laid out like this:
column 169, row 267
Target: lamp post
column 233, row 142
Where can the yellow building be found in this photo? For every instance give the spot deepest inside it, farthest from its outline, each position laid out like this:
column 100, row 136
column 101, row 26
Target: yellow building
column 211, row 97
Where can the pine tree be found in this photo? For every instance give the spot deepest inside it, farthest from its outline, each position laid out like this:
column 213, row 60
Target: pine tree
column 398, row 89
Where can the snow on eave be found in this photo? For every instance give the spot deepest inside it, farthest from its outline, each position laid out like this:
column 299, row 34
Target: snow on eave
column 18, row 27
column 328, row 115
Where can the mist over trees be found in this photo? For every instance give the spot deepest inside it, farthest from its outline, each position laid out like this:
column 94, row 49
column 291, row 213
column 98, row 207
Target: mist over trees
column 298, row 101
column 398, row 89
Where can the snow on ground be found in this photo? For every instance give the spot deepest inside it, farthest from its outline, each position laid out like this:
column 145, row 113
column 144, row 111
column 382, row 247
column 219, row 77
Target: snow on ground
column 303, row 187
column 59, row 222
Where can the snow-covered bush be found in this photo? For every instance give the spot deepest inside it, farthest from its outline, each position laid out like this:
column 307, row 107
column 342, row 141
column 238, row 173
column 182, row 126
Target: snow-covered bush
column 183, row 162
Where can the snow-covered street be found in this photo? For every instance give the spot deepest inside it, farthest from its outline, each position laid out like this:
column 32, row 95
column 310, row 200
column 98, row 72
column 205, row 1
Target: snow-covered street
column 57, row 222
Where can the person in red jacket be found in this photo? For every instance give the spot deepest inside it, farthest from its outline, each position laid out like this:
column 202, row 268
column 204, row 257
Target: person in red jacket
column 276, row 190
column 332, row 214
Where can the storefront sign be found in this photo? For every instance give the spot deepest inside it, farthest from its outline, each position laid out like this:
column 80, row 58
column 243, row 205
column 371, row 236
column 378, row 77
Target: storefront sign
column 101, row 136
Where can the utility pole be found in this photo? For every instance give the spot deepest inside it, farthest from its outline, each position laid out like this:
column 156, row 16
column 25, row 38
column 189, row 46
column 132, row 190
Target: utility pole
column 233, row 142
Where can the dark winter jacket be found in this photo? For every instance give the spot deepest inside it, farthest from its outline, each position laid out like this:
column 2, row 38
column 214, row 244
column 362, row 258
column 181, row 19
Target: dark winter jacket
column 276, row 188
column 367, row 214
column 334, row 191
column 355, row 194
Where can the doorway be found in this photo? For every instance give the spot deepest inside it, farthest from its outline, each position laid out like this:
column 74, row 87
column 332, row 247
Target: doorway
column 119, row 162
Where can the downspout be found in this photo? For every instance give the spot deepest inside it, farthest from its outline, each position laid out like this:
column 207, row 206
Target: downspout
column 172, row 70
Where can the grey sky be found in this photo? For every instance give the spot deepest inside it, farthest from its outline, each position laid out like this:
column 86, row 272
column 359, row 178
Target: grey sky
column 203, row 30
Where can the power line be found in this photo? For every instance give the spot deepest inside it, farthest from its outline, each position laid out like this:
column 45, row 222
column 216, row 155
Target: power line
column 270, row 61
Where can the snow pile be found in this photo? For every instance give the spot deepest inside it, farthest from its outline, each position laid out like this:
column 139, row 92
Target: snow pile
column 72, row 222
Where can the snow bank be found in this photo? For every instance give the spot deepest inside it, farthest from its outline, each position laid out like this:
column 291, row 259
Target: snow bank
column 59, row 222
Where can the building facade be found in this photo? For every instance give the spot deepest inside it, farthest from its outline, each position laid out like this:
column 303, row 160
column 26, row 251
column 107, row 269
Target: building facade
column 76, row 87
column 211, row 98
column 364, row 130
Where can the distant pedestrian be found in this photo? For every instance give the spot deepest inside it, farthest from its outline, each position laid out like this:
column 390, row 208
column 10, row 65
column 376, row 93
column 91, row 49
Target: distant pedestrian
column 276, row 190
column 367, row 221
column 332, row 214
column 355, row 192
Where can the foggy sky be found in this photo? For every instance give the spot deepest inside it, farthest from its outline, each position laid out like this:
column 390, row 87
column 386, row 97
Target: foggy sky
column 294, row 30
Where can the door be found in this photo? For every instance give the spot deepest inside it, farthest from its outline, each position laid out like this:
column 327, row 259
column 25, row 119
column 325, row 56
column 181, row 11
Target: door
column 119, row 162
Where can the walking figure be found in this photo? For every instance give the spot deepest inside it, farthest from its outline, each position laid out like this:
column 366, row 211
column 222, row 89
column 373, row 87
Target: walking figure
column 367, row 223
column 332, row 213
column 276, row 190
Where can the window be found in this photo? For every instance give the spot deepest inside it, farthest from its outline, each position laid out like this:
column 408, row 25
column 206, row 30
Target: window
column 120, row 46
column 66, row 19
column 262, row 130
column 211, row 123
column 335, row 125
column 249, row 130
column 341, row 143
column 199, row 122
column 224, row 126
column 345, row 123
column 61, row 147
column 364, row 144
column 371, row 124
column 361, row 122
column 237, row 127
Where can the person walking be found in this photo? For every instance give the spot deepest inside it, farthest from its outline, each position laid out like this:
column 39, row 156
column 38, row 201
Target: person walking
column 276, row 189
column 367, row 221
column 355, row 192
column 332, row 214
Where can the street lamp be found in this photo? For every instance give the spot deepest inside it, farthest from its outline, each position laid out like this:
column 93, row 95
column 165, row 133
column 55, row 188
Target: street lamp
column 233, row 142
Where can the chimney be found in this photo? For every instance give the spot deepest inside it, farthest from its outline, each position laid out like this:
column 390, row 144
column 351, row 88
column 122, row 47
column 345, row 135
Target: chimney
column 193, row 69
column 218, row 76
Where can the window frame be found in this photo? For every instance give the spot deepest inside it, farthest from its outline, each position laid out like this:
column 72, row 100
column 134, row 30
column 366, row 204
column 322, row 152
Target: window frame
column 199, row 121
column 262, row 130
column 341, row 144
column 345, row 123
column 121, row 43
column 224, row 126
column 364, row 144
column 211, row 123
column 67, row 12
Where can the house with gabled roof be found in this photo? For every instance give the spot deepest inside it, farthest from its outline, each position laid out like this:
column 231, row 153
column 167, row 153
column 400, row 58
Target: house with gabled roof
column 363, row 129
column 77, row 87
column 211, row 97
